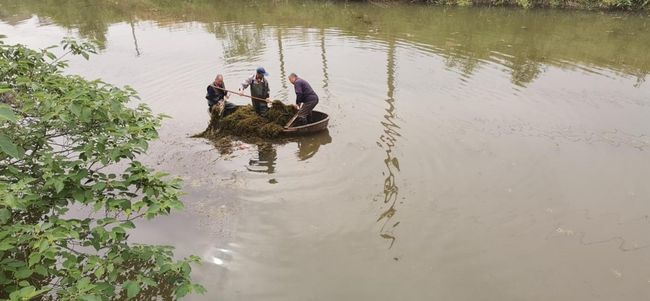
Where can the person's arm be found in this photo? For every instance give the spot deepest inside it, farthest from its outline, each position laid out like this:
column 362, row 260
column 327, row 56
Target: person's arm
column 211, row 93
column 245, row 84
column 300, row 95
column 268, row 91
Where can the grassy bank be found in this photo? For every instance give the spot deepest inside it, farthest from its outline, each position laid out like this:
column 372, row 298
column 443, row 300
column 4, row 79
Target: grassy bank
column 630, row 5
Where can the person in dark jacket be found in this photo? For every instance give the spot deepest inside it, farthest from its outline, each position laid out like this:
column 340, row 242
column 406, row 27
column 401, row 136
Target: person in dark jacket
column 217, row 93
column 259, row 89
column 306, row 99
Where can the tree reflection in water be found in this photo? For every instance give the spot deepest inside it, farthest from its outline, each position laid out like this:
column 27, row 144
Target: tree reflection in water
column 468, row 39
column 387, row 141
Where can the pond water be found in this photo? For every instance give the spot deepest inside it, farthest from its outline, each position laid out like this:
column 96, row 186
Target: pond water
column 478, row 153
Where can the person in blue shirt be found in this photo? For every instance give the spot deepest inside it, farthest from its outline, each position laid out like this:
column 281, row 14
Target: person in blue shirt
column 306, row 99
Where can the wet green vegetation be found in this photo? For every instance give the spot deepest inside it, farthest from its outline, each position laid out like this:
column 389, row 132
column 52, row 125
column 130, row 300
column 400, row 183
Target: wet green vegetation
column 246, row 123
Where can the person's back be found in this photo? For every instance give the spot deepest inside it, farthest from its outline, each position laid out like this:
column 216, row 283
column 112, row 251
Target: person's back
column 304, row 92
column 306, row 98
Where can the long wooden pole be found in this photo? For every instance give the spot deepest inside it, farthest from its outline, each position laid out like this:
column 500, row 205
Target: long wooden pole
column 251, row 97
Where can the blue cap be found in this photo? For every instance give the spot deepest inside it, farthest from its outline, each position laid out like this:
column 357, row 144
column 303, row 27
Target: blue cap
column 261, row 70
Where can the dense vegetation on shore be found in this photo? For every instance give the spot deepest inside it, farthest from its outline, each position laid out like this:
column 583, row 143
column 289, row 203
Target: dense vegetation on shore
column 572, row 4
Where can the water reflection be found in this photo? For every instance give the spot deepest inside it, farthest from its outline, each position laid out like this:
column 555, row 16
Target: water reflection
column 309, row 145
column 265, row 160
column 388, row 141
column 524, row 42
column 284, row 94
column 326, row 78
column 135, row 39
column 240, row 42
column 267, row 155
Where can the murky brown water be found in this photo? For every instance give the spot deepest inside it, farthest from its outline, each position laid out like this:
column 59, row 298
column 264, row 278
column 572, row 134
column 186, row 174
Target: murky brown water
column 473, row 154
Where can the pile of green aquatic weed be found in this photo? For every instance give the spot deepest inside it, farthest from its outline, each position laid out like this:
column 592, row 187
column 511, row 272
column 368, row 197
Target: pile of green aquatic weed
column 281, row 113
column 245, row 122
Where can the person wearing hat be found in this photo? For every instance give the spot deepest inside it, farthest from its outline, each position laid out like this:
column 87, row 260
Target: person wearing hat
column 259, row 89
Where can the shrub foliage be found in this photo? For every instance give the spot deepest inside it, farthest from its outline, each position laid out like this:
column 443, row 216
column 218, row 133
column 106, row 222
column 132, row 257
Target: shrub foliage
column 71, row 187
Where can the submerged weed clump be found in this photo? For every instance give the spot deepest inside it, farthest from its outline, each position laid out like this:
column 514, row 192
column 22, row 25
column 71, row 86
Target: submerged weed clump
column 244, row 122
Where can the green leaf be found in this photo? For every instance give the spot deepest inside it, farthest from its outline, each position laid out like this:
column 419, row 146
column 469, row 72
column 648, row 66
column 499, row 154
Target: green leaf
column 90, row 298
column 6, row 245
column 132, row 289
column 9, row 148
column 4, row 215
column 182, row 291
column 79, row 195
column 98, row 206
column 43, row 245
column 58, row 185
column 70, row 262
column 34, row 259
column 6, row 113
column 185, row 267
column 85, row 114
column 84, row 285
column 99, row 272
column 99, row 186
column 41, row 270
column 148, row 281
column 199, row 289
column 75, row 108
column 29, row 292
column 128, row 225
column 23, row 273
